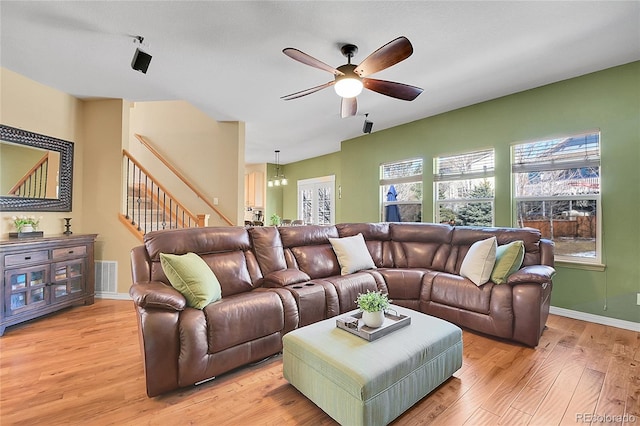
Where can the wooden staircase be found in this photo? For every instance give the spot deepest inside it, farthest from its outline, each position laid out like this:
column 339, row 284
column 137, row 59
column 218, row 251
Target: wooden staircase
column 149, row 206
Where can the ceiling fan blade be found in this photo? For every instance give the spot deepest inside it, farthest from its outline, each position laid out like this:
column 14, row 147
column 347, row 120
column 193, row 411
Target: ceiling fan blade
column 393, row 89
column 309, row 60
column 390, row 54
column 307, row 91
column 348, row 107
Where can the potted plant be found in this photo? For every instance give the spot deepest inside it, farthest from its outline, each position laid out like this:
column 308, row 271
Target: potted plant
column 372, row 304
column 26, row 223
column 275, row 219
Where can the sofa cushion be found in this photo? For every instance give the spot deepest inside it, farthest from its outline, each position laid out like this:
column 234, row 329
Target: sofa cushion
column 349, row 286
column 243, row 318
column 317, row 261
column 403, row 284
column 479, row 261
column 509, row 258
column 458, row 292
column 192, row 277
column 352, row 254
column 420, row 245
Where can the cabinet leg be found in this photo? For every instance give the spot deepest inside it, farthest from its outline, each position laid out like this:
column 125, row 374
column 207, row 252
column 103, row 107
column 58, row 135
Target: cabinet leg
column 2, row 330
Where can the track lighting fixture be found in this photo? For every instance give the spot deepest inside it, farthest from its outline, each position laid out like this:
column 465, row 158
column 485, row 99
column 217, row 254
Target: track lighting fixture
column 141, row 60
column 368, row 125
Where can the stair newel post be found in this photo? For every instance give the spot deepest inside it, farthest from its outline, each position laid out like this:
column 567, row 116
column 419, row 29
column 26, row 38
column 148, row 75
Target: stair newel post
column 203, row 220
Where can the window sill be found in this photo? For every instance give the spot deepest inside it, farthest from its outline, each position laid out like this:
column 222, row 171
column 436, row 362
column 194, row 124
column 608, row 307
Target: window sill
column 598, row 267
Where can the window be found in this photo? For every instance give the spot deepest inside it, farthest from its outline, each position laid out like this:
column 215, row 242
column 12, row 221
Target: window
column 316, row 200
column 401, row 191
column 557, row 190
column 464, row 187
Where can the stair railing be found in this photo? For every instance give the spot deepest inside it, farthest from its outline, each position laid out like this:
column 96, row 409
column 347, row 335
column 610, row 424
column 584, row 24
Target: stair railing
column 150, row 206
column 180, row 176
column 34, row 183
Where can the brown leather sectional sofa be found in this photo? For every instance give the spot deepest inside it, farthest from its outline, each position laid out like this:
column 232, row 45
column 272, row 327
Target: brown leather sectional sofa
column 277, row 279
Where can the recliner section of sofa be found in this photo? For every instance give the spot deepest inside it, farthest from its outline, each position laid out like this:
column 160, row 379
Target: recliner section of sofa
column 277, row 279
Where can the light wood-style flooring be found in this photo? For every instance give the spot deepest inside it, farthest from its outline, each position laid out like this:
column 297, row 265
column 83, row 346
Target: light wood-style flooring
column 83, row 366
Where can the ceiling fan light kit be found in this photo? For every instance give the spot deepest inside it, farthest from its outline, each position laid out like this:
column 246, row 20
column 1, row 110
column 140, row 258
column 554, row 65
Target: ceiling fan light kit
column 349, row 79
column 349, row 84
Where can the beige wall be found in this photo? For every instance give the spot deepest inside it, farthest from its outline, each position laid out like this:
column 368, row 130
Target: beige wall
column 103, row 124
column 208, row 152
column 31, row 106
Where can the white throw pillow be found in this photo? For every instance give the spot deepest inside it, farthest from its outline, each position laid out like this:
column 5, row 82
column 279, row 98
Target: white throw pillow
column 352, row 254
column 479, row 261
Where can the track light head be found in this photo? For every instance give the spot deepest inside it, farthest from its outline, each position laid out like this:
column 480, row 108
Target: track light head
column 368, row 125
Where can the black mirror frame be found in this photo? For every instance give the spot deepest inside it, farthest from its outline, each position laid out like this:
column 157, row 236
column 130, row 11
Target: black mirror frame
column 65, row 183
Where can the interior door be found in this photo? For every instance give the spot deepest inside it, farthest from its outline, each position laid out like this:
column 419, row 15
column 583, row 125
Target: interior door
column 316, row 200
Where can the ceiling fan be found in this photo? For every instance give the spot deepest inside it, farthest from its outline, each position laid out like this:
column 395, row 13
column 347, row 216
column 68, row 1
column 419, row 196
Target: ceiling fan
column 350, row 79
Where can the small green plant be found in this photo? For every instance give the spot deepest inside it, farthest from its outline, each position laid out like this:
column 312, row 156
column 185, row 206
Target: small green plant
column 21, row 221
column 275, row 219
column 372, row 301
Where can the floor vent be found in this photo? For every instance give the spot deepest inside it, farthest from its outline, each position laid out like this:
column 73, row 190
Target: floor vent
column 106, row 276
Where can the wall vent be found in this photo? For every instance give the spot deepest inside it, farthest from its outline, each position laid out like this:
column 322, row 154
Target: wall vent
column 106, row 277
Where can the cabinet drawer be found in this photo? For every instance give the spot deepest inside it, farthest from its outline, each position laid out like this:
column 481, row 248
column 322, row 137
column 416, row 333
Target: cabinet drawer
column 22, row 258
column 69, row 251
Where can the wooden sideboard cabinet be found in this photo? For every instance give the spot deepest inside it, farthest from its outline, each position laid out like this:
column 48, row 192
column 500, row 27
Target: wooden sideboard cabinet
column 43, row 275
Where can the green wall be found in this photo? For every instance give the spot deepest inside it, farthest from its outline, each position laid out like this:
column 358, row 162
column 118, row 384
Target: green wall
column 608, row 100
column 325, row 165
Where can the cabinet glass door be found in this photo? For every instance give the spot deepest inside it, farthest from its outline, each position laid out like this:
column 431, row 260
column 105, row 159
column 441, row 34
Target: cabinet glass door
column 26, row 289
column 67, row 279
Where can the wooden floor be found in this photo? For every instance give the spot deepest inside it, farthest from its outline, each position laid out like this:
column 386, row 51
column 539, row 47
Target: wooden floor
column 83, row 366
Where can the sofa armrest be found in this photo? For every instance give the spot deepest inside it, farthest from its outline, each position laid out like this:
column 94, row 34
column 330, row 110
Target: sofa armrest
column 538, row 274
column 154, row 294
column 285, row 277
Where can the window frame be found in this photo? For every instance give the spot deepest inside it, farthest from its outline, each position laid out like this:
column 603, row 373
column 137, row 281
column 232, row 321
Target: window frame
column 595, row 262
column 459, row 177
column 415, row 178
column 313, row 184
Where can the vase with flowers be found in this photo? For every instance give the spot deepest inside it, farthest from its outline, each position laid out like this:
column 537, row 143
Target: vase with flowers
column 26, row 224
column 372, row 304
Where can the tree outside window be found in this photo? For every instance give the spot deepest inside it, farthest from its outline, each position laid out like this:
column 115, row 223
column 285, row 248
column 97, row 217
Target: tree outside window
column 464, row 185
column 557, row 190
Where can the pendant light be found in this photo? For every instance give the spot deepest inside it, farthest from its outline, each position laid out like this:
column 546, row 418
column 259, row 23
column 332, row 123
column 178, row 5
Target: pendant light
column 278, row 179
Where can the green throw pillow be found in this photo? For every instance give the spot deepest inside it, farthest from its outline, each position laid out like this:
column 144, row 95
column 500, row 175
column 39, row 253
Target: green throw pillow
column 509, row 258
column 191, row 276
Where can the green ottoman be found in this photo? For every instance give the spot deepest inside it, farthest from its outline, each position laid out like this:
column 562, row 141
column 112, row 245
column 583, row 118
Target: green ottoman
column 358, row 382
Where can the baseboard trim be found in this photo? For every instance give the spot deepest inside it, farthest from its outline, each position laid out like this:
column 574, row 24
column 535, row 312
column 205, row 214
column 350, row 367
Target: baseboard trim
column 598, row 319
column 113, row 296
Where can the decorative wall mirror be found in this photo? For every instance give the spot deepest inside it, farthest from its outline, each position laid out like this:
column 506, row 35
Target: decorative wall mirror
column 36, row 171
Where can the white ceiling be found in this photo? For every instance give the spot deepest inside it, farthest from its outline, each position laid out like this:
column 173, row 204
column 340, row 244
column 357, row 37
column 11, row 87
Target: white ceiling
column 226, row 57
